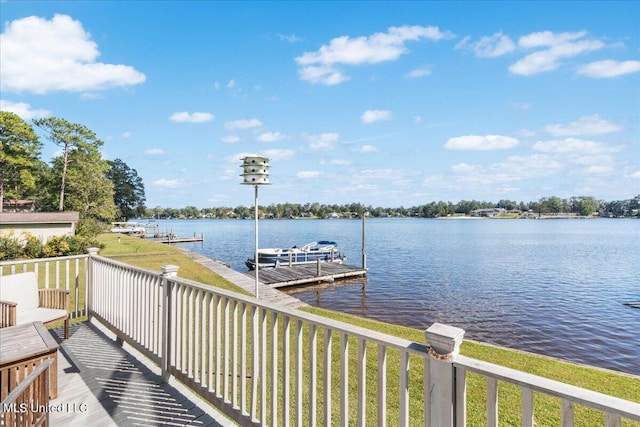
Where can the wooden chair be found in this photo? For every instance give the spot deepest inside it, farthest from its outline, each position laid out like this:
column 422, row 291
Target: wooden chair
column 22, row 302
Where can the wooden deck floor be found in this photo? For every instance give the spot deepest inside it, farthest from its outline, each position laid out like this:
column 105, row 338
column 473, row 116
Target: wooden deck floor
column 103, row 384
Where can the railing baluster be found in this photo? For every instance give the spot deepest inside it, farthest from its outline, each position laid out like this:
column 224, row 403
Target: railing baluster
column 461, row 397
column 611, row 420
column 225, row 346
column 344, row 379
column 492, row 402
column 299, row 372
column 327, row 376
column 202, row 350
column 404, row 388
column 362, row 382
column 274, row 368
column 218, row 345
column 382, row 385
column 286, row 368
column 263, row 366
column 234, row 357
column 313, row 362
column 527, row 407
column 243, row 358
column 566, row 408
column 212, row 327
column 254, row 363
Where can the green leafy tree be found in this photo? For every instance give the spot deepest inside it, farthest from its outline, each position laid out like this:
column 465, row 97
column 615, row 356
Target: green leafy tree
column 19, row 151
column 129, row 196
column 88, row 190
column 70, row 137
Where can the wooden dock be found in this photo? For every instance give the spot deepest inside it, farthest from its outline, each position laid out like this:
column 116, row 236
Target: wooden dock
column 306, row 274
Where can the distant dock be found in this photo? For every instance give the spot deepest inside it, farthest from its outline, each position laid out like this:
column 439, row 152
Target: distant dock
column 306, row 274
column 170, row 238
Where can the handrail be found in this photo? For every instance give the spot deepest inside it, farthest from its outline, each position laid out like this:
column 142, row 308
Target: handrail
column 31, row 396
column 593, row 399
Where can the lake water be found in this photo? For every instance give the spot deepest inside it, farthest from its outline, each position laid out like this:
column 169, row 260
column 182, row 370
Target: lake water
column 553, row 287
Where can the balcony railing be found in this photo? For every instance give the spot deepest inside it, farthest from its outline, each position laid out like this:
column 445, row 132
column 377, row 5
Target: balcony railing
column 262, row 364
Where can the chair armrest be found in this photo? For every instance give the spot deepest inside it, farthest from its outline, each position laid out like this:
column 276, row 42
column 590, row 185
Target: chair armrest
column 54, row 298
column 7, row 314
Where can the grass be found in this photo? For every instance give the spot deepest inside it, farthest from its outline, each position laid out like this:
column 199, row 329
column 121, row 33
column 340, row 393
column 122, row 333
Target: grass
column 153, row 255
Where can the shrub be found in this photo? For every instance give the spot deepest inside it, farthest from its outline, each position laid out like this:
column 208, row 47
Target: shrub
column 32, row 247
column 57, row 246
column 10, row 246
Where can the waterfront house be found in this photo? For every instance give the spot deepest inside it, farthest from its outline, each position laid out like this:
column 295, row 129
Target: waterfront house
column 43, row 225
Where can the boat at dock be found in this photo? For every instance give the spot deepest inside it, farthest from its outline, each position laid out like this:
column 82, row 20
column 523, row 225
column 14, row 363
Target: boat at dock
column 130, row 228
column 324, row 251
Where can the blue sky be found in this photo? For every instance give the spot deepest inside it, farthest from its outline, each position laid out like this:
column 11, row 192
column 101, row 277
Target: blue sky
column 383, row 103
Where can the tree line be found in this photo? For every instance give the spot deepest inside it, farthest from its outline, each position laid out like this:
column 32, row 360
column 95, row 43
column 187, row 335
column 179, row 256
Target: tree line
column 76, row 179
column 79, row 179
column 579, row 205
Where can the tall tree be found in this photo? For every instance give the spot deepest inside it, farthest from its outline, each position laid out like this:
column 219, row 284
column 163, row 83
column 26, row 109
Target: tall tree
column 68, row 136
column 128, row 189
column 19, row 151
column 88, row 190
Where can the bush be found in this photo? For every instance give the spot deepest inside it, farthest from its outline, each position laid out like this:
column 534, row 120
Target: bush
column 57, row 246
column 32, row 247
column 90, row 228
column 29, row 246
column 10, row 247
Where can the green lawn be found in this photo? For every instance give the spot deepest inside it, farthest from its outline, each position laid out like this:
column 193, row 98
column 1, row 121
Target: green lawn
column 152, row 255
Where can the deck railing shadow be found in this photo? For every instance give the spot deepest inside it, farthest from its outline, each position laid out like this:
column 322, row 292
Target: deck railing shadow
column 262, row 364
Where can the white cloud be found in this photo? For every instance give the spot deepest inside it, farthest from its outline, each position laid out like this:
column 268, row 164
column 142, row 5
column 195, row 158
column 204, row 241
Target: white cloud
column 270, row 137
column 489, row 46
column 308, row 174
column 167, row 183
column 242, row 124
column 586, row 125
column 41, row 56
column 366, row 149
column 635, row 175
column 573, row 145
column 197, row 117
column 127, row 135
column 609, row 68
column 231, row 84
column 340, row 162
column 320, row 66
column 291, row 38
column 520, row 167
column 277, row 154
column 481, row 143
column 371, row 116
column 230, row 139
column 420, row 72
column 23, row 110
column 554, row 47
column 324, row 141
column 154, row 151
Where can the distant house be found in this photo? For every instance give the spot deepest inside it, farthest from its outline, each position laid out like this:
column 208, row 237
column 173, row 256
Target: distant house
column 333, row 215
column 13, row 205
column 43, row 225
column 487, row 212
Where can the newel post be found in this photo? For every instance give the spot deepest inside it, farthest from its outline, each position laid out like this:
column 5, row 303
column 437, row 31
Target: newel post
column 89, row 282
column 444, row 345
column 166, row 324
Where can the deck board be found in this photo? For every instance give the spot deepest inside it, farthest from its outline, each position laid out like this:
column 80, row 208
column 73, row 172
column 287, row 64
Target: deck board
column 306, row 274
column 103, row 384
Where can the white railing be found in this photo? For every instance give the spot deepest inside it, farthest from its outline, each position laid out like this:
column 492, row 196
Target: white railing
column 68, row 273
column 262, row 364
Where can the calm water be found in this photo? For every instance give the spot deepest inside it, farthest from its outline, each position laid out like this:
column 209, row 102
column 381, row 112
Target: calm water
column 553, row 287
